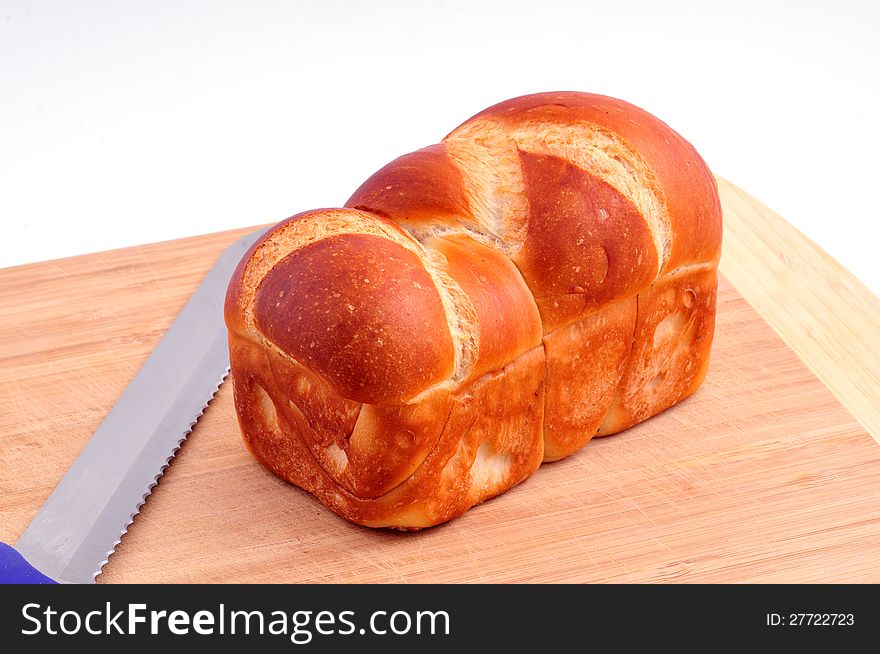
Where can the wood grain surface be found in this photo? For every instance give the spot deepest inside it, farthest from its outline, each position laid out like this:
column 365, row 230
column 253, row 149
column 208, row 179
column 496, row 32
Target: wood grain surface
column 820, row 309
column 761, row 476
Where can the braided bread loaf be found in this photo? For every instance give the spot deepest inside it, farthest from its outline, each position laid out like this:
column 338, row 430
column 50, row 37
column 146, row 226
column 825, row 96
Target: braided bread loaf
column 545, row 274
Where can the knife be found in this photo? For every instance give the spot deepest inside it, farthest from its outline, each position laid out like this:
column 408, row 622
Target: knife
column 84, row 518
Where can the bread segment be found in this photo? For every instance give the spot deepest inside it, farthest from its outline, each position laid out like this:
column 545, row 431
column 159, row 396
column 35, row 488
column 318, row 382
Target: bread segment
column 654, row 162
column 586, row 244
column 335, row 306
column 505, row 311
column 544, row 275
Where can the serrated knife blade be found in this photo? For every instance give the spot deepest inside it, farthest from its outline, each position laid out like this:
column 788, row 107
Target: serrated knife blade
column 84, row 518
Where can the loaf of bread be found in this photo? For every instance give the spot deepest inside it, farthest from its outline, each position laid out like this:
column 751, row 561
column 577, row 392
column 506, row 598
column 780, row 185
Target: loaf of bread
column 545, row 274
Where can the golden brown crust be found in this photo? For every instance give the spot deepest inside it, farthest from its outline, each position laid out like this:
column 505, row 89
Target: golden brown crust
column 480, row 441
column 508, row 319
column 671, row 346
column 419, row 189
column 585, row 363
column 544, row 275
column 585, row 244
column 361, row 312
column 682, row 177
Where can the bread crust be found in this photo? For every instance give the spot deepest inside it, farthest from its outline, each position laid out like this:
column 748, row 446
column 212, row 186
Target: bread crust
column 361, row 312
column 544, row 275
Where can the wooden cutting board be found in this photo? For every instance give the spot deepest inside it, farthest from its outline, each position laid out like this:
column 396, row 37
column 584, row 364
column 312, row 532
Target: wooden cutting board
column 762, row 476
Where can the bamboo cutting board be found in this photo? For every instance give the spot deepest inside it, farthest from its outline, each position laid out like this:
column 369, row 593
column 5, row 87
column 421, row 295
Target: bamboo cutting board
column 762, row 476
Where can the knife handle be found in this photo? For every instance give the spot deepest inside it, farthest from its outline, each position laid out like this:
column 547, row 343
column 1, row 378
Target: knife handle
column 14, row 568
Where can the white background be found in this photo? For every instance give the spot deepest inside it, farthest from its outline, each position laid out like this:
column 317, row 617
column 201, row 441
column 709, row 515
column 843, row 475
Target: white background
column 129, row 122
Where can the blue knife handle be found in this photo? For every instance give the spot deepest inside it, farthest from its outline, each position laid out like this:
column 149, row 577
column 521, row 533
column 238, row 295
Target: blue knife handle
column 14, row 569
